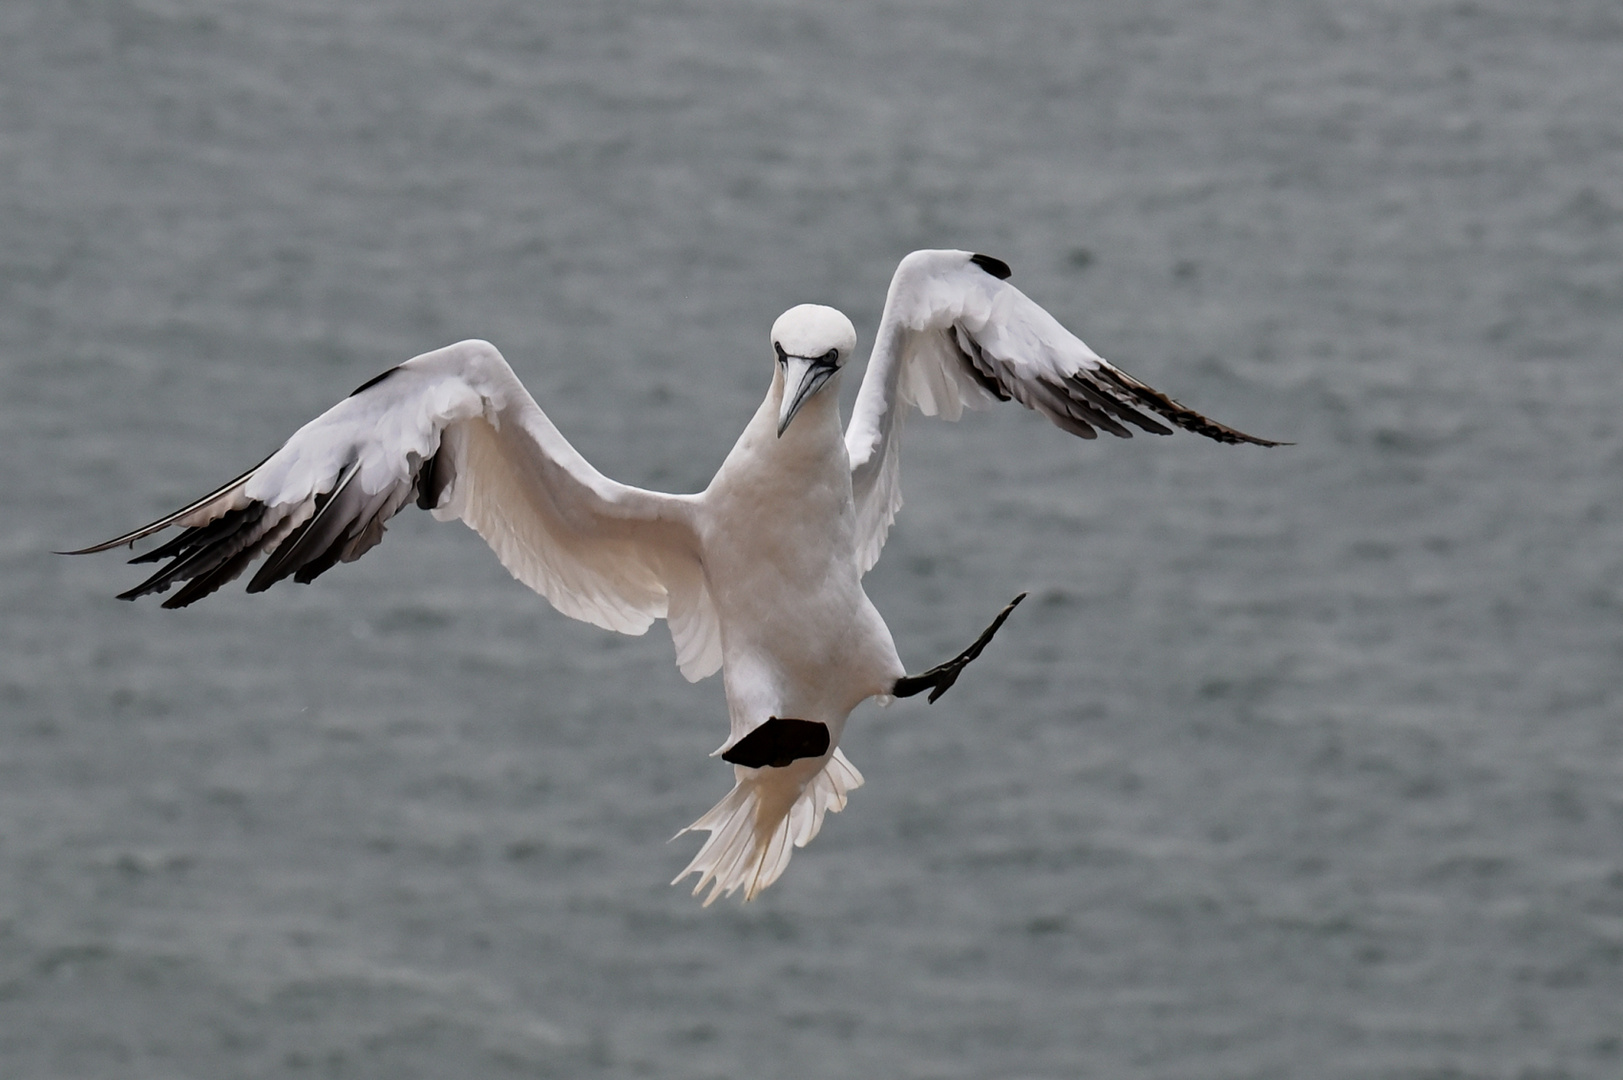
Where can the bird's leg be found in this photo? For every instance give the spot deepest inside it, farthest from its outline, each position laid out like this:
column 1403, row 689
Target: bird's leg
column 939, row 679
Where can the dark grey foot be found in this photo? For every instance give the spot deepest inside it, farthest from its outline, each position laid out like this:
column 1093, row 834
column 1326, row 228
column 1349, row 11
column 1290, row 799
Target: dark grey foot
column 939, row 679
column 778, row 742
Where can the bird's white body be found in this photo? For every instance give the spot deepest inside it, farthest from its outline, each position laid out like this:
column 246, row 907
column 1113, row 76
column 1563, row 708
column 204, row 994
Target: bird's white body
column 799, row 636
column 759, row 575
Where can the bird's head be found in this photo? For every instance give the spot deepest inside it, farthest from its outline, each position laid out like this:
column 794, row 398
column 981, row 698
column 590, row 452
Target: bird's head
column 812, row 343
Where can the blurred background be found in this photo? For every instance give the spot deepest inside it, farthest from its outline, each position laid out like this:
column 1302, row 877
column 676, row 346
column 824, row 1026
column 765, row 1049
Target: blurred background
column 1304, row 762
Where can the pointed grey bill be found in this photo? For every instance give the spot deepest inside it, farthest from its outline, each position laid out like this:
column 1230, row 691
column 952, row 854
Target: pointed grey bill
column 802, row 378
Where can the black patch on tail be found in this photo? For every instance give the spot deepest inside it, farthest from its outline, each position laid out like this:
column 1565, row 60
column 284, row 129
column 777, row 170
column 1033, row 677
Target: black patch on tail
column 778, row 742
column 996, row 267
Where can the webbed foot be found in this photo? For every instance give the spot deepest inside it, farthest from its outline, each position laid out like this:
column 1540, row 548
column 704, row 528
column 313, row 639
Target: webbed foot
column 939, row 679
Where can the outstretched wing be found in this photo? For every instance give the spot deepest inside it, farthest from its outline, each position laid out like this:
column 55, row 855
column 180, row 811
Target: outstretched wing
column 956, row 333
column 456, row 432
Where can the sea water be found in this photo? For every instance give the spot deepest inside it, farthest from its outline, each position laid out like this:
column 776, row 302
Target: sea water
column 1298, row 762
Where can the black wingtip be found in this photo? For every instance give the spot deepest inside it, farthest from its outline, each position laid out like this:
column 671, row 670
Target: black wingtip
column 996, row 267
column 373, row 381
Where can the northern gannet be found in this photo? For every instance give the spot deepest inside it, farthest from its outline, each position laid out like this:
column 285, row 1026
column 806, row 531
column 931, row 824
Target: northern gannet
column 759, row 575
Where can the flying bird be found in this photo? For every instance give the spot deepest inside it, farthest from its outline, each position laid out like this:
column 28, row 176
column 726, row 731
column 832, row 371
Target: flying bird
column 759, row 575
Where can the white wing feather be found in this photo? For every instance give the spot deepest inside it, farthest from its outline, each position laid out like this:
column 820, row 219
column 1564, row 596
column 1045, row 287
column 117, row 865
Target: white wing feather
column 456, row 430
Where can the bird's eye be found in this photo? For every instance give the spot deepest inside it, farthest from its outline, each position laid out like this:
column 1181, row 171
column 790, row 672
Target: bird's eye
column 830, row 357
column 783, row 357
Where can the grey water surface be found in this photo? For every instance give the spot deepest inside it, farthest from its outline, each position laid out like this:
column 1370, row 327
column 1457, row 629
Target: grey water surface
column 1299, row 763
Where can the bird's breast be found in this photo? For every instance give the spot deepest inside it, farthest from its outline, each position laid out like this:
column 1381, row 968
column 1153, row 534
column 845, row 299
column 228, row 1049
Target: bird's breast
column 792, row 530
column 778, row 535
column 781, row 507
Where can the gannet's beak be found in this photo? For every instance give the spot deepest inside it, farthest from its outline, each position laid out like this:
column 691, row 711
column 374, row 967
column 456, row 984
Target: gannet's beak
column 802, row 377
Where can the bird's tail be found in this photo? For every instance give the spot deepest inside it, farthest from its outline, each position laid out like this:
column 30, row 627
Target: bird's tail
column 751, row 830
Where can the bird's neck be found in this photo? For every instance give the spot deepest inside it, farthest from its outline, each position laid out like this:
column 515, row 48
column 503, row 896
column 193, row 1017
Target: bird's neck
column 811, row 449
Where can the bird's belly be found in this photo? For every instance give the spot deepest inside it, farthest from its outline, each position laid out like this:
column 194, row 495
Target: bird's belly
column 794, row 615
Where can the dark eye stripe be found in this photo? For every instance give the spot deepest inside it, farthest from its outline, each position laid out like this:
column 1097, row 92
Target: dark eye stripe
column 830, row 357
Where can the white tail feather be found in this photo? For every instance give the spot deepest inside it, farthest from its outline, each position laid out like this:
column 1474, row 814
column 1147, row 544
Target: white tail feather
column 753, row 828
